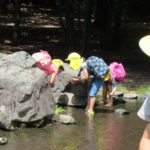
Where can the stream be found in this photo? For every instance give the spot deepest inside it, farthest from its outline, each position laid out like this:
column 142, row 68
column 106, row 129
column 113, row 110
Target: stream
column 105, row 131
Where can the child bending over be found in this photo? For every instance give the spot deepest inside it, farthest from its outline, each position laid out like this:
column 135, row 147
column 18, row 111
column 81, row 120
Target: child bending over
column 48, row 66
column 112, row 81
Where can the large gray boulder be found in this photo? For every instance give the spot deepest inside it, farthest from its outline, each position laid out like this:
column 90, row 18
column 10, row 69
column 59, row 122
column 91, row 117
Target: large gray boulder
column 5, row 121
column 25, row 94
column 66, row 93
column 71, row 99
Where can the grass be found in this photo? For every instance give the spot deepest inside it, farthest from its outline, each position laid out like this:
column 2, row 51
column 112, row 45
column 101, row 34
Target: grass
column 143, row 89
column 122, row 89
column 58, row 110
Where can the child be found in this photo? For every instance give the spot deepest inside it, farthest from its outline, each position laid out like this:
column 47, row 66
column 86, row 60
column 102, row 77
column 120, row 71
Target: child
column 93, row 67
column 108, row 91
column 116, row 75
column 144, row 111
column 56, row 67
column 48, row 66
column 144, row 114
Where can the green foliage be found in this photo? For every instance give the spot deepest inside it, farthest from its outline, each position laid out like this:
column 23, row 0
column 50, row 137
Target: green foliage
column 58, row 109
column 122, row 88
column 143, row 89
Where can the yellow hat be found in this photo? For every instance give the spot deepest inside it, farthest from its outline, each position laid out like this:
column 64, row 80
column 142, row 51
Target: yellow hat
column 75, row 60
column 73, row 56
column 107, row 76
column 144, row 44
column 76, row 64
column 58, row 63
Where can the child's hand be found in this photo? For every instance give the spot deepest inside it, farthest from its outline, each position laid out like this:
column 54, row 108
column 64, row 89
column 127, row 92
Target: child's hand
column 52, row 84
column 111, row 94
column 74, row 80
column 102, row 77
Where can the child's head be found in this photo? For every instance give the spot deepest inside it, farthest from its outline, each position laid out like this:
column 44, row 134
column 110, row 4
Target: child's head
column 75, row 60
column 117, row 80
column 59, row 64
column 61, row 68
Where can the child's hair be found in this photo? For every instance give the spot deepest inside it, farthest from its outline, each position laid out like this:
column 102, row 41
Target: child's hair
column 117, row 80
column 61, row 68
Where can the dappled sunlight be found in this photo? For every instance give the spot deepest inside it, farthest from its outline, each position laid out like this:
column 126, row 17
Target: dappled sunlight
column 30, row 15
column 40, row 29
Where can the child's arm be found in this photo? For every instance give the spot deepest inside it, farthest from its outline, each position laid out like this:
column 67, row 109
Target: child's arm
column 113, row 91
column 115, row 85
column 84, row 77
column 52, row 79
column 145, row 140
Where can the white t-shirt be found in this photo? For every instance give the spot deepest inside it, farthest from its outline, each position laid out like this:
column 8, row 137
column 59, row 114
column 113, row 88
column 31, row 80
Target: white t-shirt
column 144, row 111
column 84, row 65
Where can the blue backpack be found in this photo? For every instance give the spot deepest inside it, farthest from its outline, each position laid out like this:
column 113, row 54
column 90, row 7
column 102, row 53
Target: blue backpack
column 96, row 66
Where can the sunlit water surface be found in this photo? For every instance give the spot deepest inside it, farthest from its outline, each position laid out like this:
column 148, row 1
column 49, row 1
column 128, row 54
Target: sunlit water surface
column 104, row 131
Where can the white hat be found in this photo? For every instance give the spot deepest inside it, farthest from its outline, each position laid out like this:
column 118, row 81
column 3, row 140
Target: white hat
column 144, row 44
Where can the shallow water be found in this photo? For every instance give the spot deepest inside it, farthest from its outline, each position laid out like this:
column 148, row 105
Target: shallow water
column 104, row 131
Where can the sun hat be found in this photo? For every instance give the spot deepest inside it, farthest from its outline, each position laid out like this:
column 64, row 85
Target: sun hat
column 73, row 56
column 75, row 60
column 58, row 63
column 144, row 44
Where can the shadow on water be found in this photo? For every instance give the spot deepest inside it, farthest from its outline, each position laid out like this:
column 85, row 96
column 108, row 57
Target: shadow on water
column 104, row 131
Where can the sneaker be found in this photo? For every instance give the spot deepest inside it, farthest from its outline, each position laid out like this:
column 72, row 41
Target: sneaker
column 90, row 113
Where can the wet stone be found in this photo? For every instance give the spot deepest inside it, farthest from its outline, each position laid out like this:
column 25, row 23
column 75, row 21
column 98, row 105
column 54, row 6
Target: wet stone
column 3, row 140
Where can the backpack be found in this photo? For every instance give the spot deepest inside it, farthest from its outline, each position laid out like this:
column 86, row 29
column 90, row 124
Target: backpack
column 42, row 57
column 96, row 66
column 43, row 60
column 117, row 71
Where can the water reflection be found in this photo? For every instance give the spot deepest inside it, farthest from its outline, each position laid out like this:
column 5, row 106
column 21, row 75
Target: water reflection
column 104, row 131
column 90, row 133
column 113, row 132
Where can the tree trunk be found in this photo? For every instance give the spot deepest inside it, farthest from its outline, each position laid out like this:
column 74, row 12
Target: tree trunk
column 87, row 23
column 3, row 6
column 16, row 22
column 117, row 18
column 69, row 25
column 79, row 30
column 62, row 24
column 103, row 21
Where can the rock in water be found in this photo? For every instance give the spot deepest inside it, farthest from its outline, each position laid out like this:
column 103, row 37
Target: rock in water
column 24, row 89
column 121, row 111
column 3, row 140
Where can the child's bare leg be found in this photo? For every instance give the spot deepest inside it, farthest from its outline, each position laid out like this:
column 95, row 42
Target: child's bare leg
column 92, row 100
column 88, row 104
column 104, row 94
column 110, row 97
column 145, row 140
